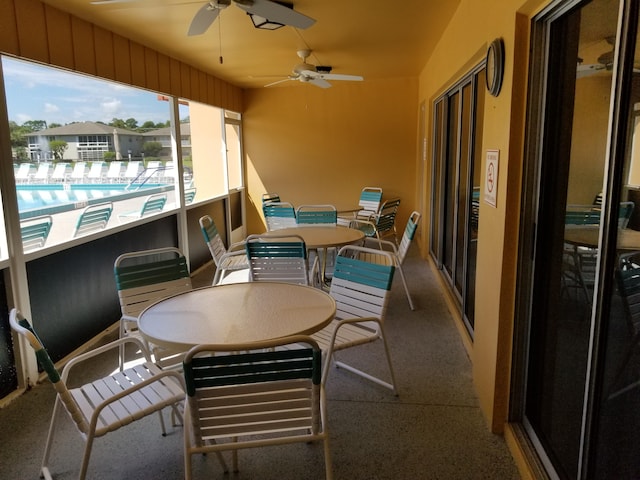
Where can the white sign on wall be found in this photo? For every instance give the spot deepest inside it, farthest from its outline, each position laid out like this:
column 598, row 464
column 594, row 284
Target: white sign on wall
column 491, row 177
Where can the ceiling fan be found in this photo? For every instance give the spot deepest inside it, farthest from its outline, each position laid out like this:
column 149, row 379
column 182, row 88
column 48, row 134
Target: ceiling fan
column 265, row 14
column 605, row 62
column 315, row 75
column 277, row 14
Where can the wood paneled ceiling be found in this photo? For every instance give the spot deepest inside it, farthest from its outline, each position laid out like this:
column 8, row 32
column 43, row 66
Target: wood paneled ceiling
column 373, row 38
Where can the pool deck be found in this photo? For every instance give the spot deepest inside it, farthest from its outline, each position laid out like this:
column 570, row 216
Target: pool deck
column 64, row 223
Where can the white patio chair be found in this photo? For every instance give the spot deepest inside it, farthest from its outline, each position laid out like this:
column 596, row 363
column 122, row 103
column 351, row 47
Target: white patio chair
column 361, row 291
column 35, row 231
column 152, row 204
column 24, row 173
column 96, row 172
column 279, row 215
column 369, row 203
column 399, row 252
column 61, row 171
column 280, row 258
column 226, row 260
column 79, row 172
column 93, row 219
column 262, row 397
column 381, row 224
column 142, row 278
column 114, row 172
column 105, row 404
column 43, row 173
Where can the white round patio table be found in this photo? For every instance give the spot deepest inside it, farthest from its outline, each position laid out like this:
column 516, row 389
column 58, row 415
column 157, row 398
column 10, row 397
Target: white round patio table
column 238, row 313
column 322, row 236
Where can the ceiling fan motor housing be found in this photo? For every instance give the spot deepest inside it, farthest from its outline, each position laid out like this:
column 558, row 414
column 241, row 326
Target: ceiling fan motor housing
column 323, row 69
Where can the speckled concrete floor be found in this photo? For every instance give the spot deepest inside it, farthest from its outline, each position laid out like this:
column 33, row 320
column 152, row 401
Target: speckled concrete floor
column 433, row 430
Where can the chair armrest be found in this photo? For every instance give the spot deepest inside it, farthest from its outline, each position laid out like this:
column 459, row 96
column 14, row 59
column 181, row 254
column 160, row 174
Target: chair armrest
column 375, row 243
column 236, row 246
column 102, row 349
column 356, row 222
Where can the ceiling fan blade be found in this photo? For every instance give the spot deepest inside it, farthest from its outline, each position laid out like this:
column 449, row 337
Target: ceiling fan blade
column 203, row 19
column 588, row 70
column 330, row 76
column 277, row 13
column 279, row 81
column 106, row 2
column 340, row 76
column 317, row 81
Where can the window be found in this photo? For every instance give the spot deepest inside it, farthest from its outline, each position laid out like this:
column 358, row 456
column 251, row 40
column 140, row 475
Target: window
column 78, row 142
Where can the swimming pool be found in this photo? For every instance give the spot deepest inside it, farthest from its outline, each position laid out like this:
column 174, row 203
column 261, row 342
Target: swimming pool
column 47, row 199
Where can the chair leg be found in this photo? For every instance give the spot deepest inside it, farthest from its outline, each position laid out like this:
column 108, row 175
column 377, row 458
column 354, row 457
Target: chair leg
column 121, row 348
column 406, row 288
column 47, row 448
column 216, row 276
column 86, row 456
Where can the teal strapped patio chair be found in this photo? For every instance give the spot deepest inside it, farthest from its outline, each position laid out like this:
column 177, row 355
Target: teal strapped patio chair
column 104, row 404
column 226, row 260
column 369, row 203
column 35, row 231
column 93, row 219
column 382, row 224
column 152, row 204
column 279, row 215
column 360, row 288
column 143, row 278
column 277, row 258
column 400, row 252
column 310, row 215
column 189, row 195
column 270, row 197
column 265, row 396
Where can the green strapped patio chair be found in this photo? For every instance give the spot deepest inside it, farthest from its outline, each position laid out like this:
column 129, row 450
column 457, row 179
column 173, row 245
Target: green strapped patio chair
column 35, row 231
column 279, row 215
column 152, row 204
column 104, row 404
column 276, row 258
column 400, row 252
column 321, row 215
column 143, row 278
column 226, row 260
column 265, row 396
column 189, row 195
column 369, row 203
column 361, row 290
column 270, row 197
column 382, row 224
column 93, row 219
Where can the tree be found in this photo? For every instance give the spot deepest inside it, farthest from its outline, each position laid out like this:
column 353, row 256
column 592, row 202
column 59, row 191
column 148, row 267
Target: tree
column 118, row 123
column 58, row 147
column 151, row 149
column 131, row 123
column 35, row 125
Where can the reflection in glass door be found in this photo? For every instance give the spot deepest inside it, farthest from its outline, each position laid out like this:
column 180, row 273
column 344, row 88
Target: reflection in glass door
column 582, row 384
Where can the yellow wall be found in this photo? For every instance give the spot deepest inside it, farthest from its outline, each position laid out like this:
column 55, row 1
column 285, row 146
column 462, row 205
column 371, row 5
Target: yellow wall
column 313, row 145
column 588, row 155
column 478, row 23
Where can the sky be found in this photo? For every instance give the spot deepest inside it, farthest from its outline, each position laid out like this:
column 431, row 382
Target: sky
column 36, row 92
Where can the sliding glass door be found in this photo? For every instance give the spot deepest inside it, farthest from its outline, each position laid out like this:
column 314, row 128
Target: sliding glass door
column 455, row 187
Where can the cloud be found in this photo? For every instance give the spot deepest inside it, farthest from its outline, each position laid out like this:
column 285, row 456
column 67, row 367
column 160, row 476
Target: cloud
column 51, row 108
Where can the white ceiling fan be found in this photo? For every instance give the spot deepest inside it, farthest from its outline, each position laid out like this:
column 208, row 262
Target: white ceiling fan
column 276, row 13
column 273, row 14
column 315, row 75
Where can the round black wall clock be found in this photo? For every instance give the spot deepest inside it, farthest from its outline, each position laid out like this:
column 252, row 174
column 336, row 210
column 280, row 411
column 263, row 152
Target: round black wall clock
column 495, row 66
